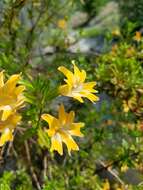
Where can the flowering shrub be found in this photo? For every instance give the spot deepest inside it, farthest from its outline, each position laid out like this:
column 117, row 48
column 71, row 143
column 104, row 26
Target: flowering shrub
column 79, row 131
column 11, row 100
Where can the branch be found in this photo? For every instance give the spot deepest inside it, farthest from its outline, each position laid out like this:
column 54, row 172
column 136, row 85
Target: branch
column 115, row 163
column 112, row 173
column 34, row 176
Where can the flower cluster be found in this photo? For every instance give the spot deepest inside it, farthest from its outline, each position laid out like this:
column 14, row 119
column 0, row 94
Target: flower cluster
column 62, row 129
column 137, row 36
column 11, row 100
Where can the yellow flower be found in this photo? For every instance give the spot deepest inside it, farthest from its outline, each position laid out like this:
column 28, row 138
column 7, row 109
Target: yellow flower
column 61, row 130
column 62, row 24
column 116, row 32
column 124, row 168
column 106, row 185
column 11, row 96
column 125, row 106
column 137, row 37
column 76, row 87
column 130, row 104
column 114, row 50
column 7, row 126
column 130, row 52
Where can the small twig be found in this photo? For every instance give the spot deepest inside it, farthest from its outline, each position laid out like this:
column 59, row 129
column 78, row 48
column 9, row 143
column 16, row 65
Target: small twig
column 34, row 25
column 9, row 148
column 34, row 176
column 112, row 173
column 29, row 39
column 39, row 115
column 45, row 166
column 115, row 162
column 14, row 152
column 21, row 129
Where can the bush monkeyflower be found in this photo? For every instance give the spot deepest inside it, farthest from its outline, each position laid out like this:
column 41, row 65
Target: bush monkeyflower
column 137, row 36
column 130, row 104
column 11, row 97
column 116, row 32
column 76, row 87
column 62, row 24
column 124, row 168
column 61, row 130
column 7, row 127
column 131, row 52
column 106, row 185
column 125, row 106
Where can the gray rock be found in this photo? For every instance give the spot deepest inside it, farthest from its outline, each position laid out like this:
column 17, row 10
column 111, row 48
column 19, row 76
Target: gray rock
column 108, row 17
column 89, row 45
column 78, row 19
column 91, row 38
column 103, row 97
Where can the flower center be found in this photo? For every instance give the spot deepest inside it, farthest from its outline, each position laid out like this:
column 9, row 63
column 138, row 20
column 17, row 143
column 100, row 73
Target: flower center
column 77, row 87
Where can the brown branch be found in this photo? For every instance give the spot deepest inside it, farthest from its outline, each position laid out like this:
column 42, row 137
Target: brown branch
column 31, row 31
column 114, row 163
column 112, row 173
column 29, row 39
column 34, row 176
column 45, row 164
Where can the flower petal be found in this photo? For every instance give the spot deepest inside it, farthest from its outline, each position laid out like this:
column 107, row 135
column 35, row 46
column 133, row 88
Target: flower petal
column 11, row 83
column 70, row 117
column 19, row 89
column 89, row 85
column 82, row 76
column 67, row 73
column 6, row 112
column 64, row 90
column 76, row 71
column 75, row 129
column 53, row 122
column 70, row 143
column 92, row 97
column 48, row 118
column 1, row 79
column 62, row 114
column 56, row 144
column 6, row 136
column 78, row 98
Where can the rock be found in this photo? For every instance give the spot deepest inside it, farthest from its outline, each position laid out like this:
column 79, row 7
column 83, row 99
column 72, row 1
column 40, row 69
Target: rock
column 48, row 50
column 103, row 97
column 78, row 19
column 89, row 45
column 91, row 38
column 108, row 17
